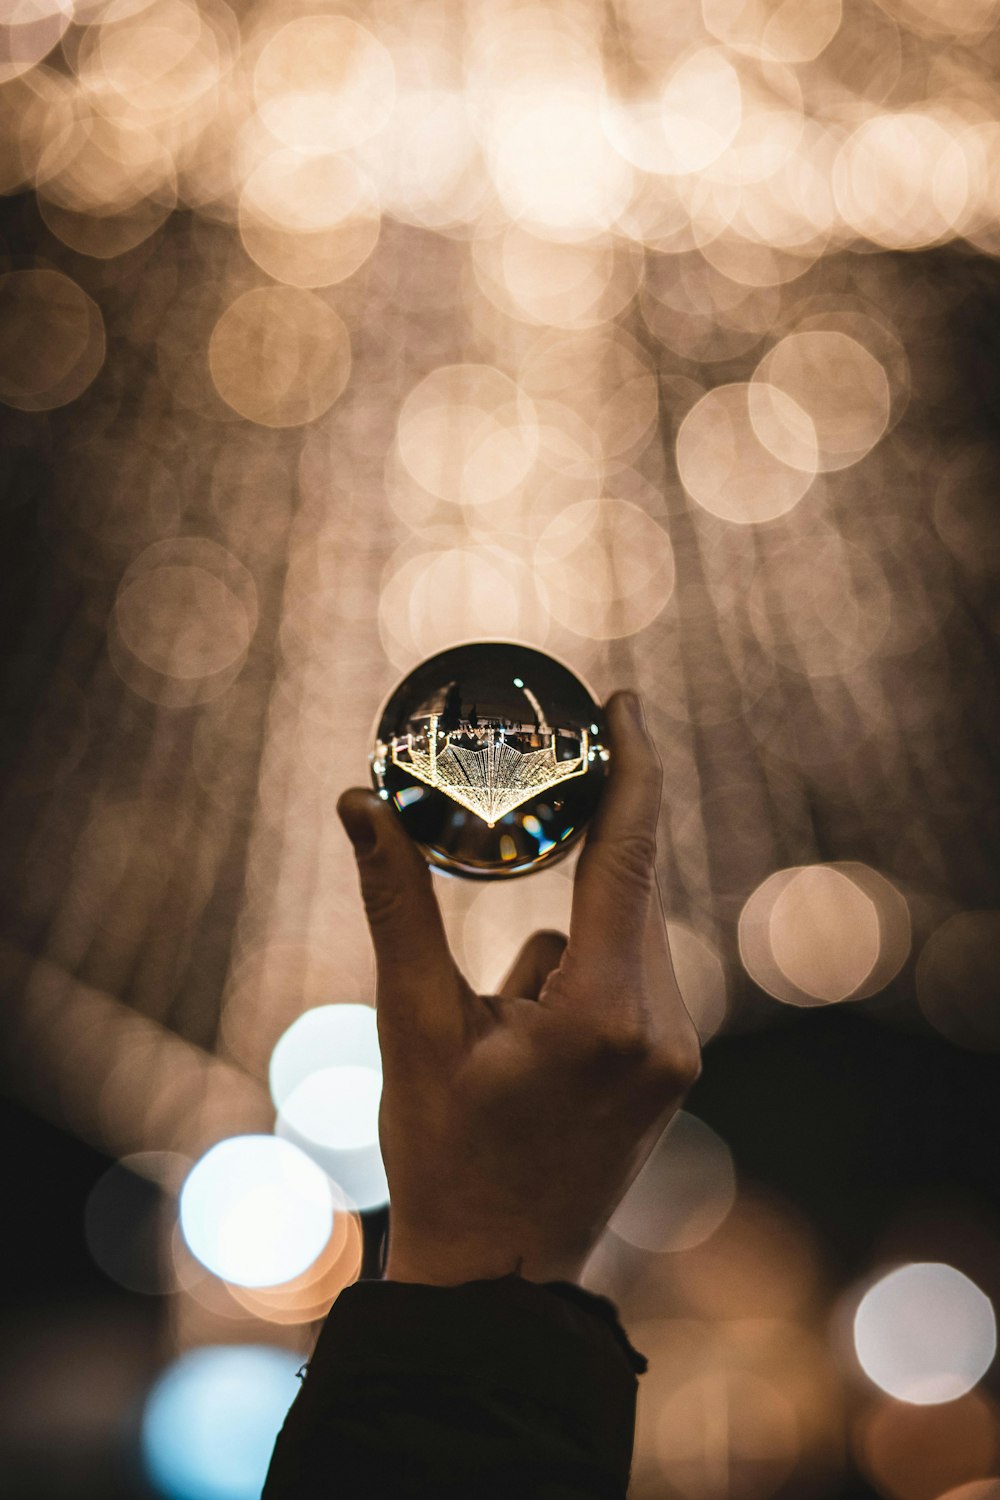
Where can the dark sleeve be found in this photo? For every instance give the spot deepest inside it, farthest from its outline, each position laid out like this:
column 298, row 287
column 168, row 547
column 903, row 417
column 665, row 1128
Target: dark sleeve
column 493, row 1390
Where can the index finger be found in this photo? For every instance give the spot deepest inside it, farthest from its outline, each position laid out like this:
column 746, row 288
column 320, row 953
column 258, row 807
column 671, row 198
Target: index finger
column 615, row 886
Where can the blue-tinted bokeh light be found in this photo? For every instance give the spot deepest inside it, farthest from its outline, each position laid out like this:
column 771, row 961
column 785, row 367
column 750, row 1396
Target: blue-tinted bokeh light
column 211, row 1420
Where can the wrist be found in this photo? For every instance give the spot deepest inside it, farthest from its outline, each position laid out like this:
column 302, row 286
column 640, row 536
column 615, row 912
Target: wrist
column 454, row 1265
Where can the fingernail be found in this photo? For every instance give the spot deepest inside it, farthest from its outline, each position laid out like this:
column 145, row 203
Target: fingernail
column 634, row 705
column 358, row 826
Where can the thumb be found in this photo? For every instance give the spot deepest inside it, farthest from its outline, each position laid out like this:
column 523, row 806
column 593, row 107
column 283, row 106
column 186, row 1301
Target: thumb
column 412, row 957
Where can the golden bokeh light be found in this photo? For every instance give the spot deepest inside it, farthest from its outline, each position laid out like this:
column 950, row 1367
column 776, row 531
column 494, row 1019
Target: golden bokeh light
column 761, row 1262
column 468, row 434
column 604, row 377
column 816, row 934
column 324, row 83
column 841, row 388
column 52, row 343
column 902, row 180
column 727, row 1433
column 280, row 356
column 308, row 221
column 311, row 1294
column 729, row 471
column 918, row 1452
column 441, row 595
column 553, row 283
column 555, row 170
column 772, row 28
column 184, row 617
column 29, row 30
column 605, row 568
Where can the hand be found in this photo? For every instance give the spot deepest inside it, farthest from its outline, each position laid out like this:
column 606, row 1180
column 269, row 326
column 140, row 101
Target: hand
column 511, row 1124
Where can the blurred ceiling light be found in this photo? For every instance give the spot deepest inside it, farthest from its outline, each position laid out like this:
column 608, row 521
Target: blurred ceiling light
column 682, row 1193
column 327, row 1036
column 833, row 379
column 915, row 1452
column 308, row 221
column 811, row 935
column 725, row 467
column 957, row 979
column 154, row 61
column 256, row 1210
column 553, row 167
column 688, row 127
column 280, row 356
column 468, row 434
column 430, row 600
column 902, row 180
column 106, row 168
column 324, row 83
column 554, row 283
column 772, row 28
column 183, row 620
column 29, row 29
column 925, row 1334
column 52, row 342
column 427, row 162
column 605, row 568
column 605, row 377
column 210, row 1420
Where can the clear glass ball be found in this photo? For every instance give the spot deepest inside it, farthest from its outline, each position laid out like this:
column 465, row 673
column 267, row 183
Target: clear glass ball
column 493, row 755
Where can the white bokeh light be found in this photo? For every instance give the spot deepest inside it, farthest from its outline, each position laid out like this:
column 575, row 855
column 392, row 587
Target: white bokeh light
column 337, row 1107
column 925, row 1333
column 328, row 1036
column 256, row 1210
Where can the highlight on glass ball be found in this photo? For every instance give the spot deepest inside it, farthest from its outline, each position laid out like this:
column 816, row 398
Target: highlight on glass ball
column 493, row 755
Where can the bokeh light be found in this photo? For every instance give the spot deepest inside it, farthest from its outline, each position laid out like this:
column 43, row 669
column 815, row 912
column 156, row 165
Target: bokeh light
column 211, row 1419
column 919, row 1452
column 683, row 1192
column 816, row 934
column 925, row 1333
column 256, row 1210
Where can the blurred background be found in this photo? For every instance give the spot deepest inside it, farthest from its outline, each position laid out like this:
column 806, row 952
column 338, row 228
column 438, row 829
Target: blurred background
column 662, row 338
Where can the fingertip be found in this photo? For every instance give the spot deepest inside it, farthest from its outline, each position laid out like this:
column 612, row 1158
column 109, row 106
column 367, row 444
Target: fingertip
column 625, row 711
column 358, row 811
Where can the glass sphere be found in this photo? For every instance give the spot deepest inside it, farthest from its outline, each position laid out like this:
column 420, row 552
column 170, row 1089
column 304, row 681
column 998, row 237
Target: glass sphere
column 493, row 755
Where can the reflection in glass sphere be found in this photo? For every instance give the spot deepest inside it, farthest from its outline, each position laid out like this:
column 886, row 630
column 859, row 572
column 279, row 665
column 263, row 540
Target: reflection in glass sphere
column 493, row 755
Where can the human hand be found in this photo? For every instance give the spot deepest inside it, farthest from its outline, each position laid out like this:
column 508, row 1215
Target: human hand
column 512, row 1124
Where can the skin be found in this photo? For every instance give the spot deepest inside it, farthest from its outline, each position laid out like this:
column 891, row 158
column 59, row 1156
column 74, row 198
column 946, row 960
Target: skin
column 512, row 1124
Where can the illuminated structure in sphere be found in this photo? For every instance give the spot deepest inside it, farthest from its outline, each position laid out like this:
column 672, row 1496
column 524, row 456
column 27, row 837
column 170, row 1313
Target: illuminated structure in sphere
column 492, row 754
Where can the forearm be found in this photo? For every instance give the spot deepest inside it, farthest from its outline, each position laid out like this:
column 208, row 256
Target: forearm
column 494, row 1388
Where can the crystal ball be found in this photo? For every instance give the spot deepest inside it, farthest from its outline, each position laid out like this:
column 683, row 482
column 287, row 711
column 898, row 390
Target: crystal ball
column 493, row 755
